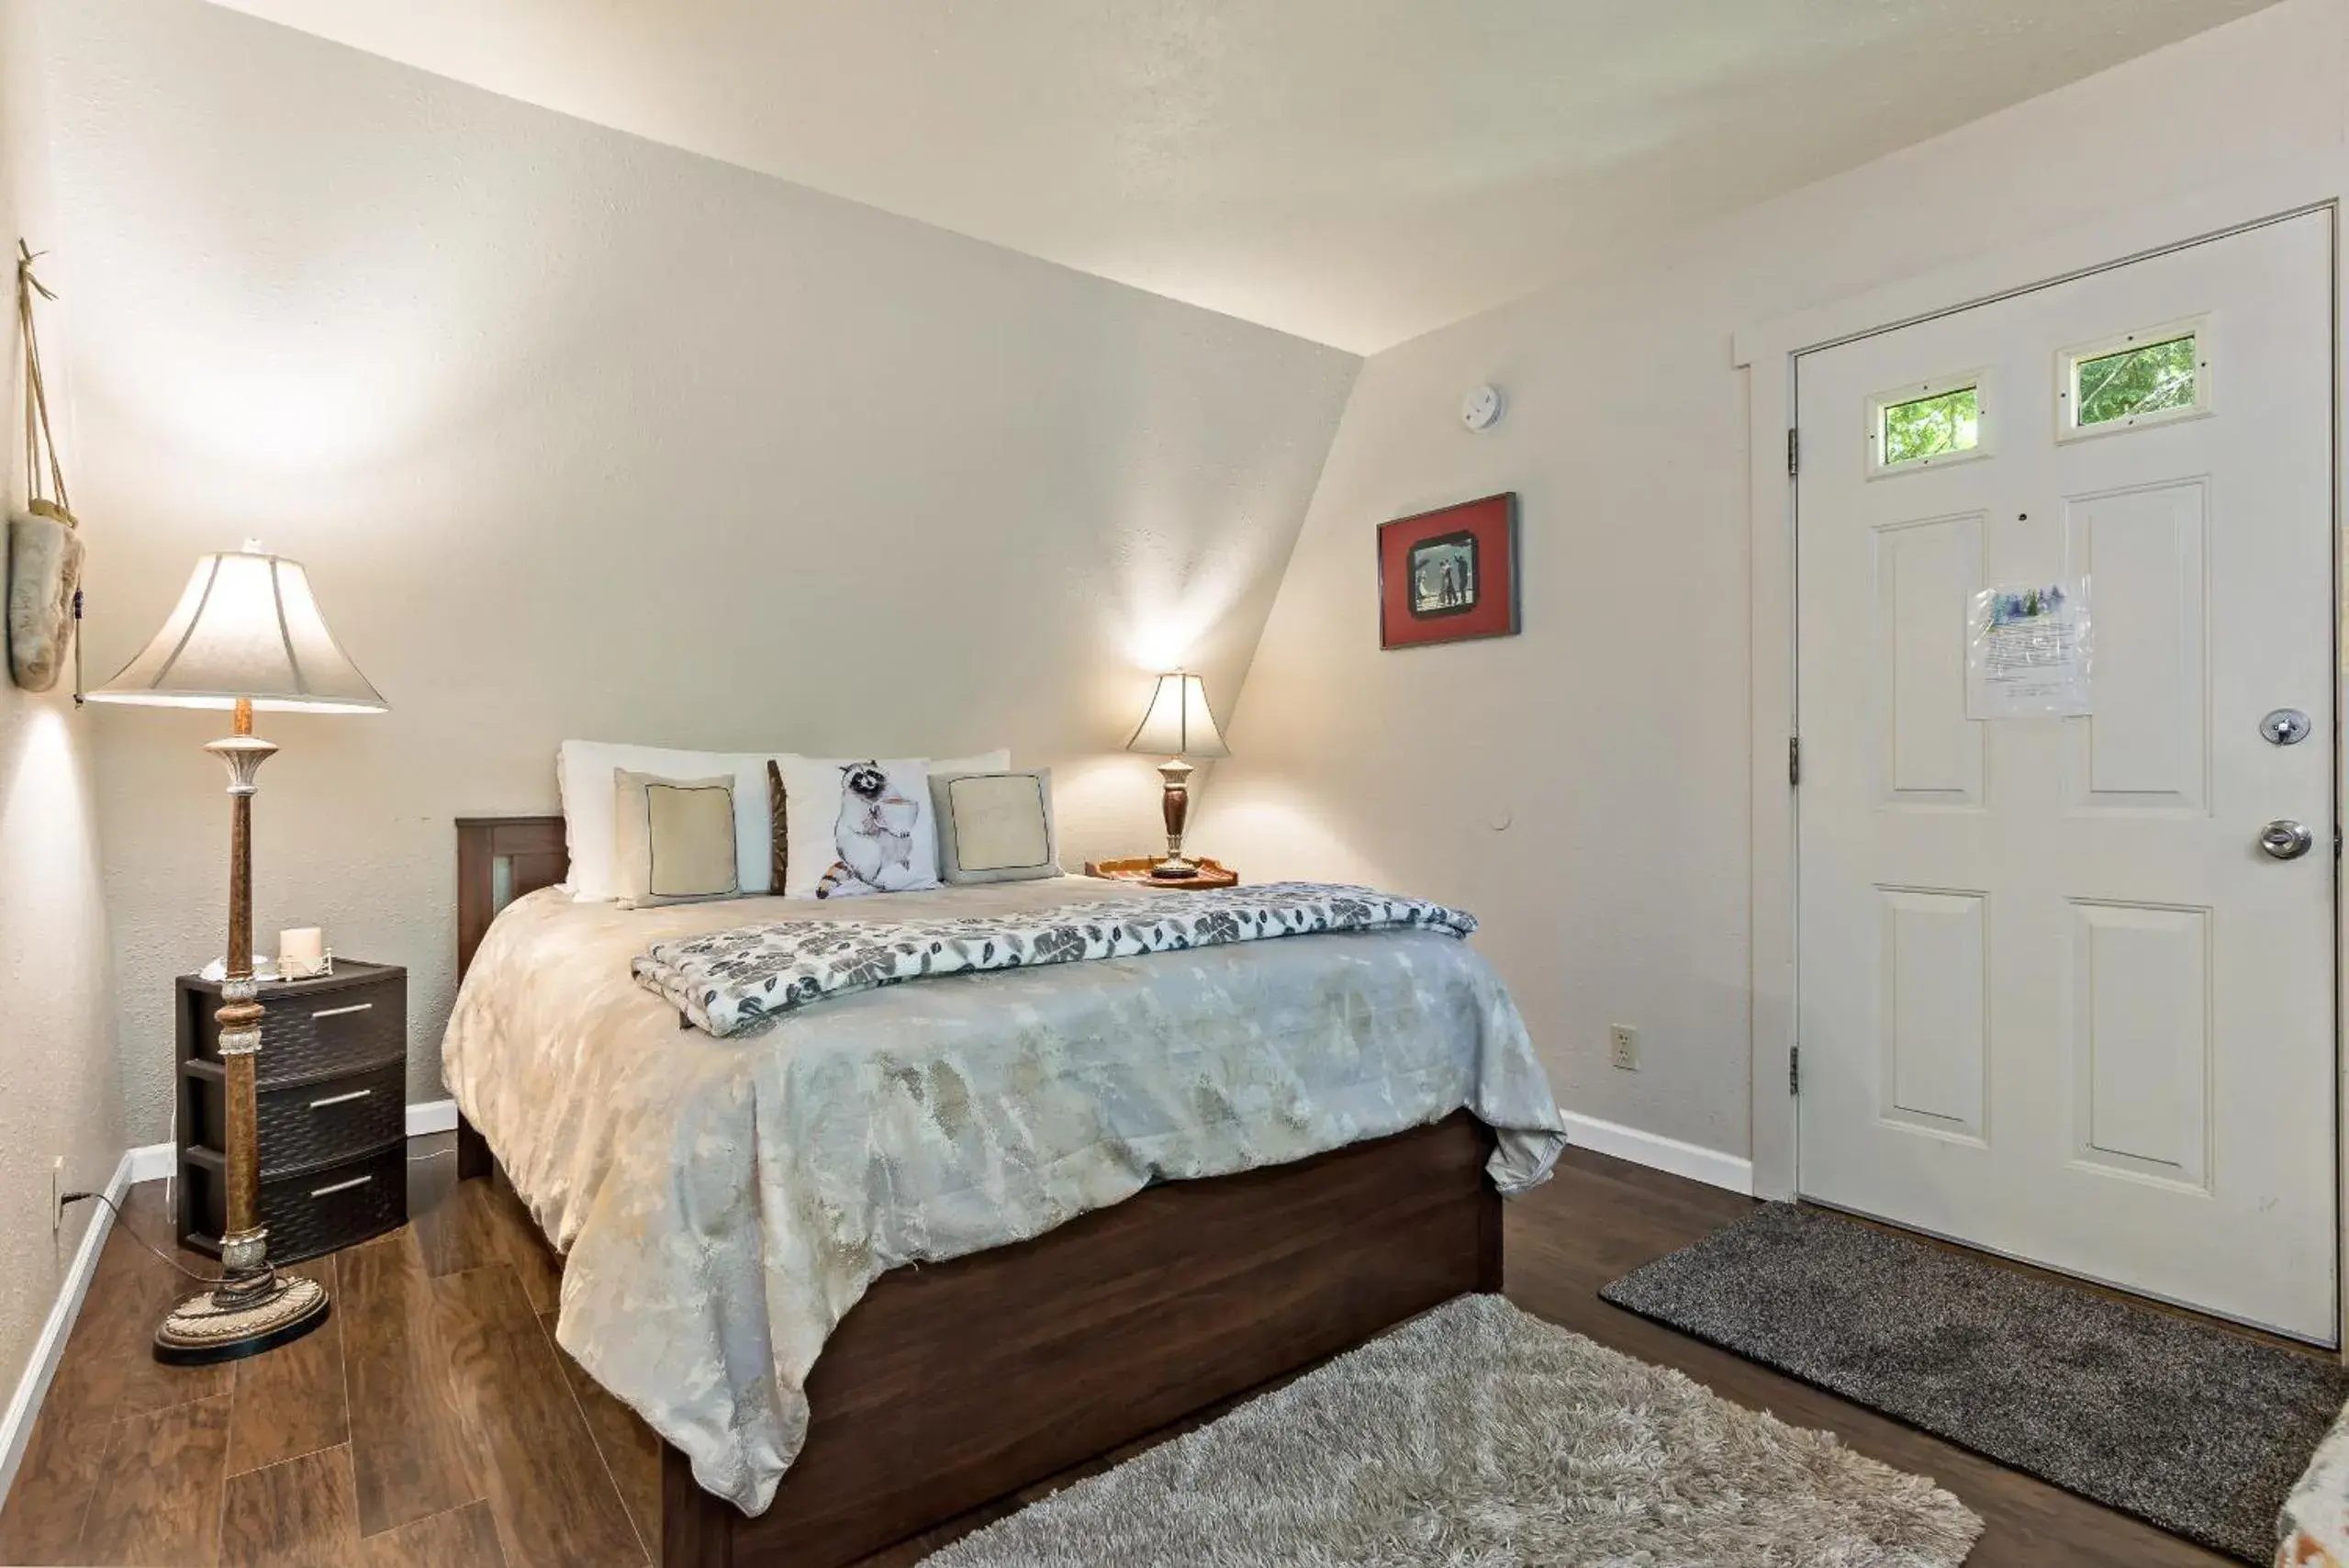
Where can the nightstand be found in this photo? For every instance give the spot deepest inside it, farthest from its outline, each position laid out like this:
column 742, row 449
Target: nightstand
column 334, row 1110
column 1211, row 874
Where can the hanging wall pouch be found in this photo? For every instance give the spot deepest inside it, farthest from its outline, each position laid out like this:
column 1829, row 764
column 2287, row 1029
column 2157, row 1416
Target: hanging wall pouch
column 44, row 545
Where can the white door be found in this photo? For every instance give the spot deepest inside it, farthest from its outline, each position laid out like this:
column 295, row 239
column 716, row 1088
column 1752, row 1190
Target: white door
column 2056, row 1000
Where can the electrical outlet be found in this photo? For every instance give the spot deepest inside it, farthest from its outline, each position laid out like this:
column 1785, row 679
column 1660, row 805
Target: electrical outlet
column 1623, row 1046
column 57, row 1195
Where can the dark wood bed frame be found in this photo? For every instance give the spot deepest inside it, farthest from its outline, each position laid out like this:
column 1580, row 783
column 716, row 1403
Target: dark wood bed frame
column 952, row 1385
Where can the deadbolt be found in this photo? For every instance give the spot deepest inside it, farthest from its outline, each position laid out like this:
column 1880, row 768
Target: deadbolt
column 2285, row 727
column 2285, row 839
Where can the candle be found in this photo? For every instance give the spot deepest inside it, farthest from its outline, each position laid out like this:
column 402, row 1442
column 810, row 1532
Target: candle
column 301, row 952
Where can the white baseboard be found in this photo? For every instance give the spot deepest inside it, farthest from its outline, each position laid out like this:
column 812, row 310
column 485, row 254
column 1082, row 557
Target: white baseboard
column 431, row 1117
column 16, row 1421
column 1709, row 1166
column 151, row 1163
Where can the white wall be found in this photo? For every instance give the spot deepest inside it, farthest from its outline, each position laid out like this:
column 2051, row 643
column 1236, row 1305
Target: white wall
column 580, row 435
column 1583, row 787
column 59, row 1094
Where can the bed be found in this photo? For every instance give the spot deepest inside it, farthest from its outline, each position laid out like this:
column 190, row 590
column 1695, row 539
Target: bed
column 953, row 1369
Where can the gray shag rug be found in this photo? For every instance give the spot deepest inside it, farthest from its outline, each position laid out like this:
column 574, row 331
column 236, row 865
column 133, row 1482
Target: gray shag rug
column 1477, row 1436
column 2185, row 1425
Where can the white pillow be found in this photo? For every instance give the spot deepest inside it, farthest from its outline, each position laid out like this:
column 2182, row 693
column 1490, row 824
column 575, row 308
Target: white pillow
column 994, row 761
column 856, row 826
column 582, row 771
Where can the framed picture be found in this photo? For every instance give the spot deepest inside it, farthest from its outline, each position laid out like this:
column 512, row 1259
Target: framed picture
column 1449, row 575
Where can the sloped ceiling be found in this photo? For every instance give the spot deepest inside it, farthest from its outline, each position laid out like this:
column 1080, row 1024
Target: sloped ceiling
column 1356, row 171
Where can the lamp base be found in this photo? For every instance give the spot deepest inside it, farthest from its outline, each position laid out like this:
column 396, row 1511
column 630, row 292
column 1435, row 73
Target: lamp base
column 240, row 1318
column 1175, row 869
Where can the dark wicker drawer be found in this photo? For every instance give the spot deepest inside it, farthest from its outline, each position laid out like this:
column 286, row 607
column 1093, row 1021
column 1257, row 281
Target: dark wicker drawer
column 317, row 1211
column 311, row 1029
column 308, row 1036
column 307, row 1125
column 306, row 1212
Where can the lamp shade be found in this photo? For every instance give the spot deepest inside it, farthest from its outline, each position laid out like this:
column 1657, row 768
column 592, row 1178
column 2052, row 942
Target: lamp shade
column 1179, row 723
column 246, row 627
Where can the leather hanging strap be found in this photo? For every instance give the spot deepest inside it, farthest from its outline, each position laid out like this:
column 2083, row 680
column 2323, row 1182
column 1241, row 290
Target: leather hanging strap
column 44, row 475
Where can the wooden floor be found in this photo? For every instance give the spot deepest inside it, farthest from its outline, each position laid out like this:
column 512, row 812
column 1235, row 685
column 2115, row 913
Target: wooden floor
column 434, row 1421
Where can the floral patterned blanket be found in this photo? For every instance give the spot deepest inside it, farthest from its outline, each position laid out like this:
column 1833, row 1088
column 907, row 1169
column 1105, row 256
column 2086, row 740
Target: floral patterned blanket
column 730, row 982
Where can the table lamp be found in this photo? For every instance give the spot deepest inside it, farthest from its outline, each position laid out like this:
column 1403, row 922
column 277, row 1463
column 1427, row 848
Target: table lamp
column 246, row 634
column 1178, row 725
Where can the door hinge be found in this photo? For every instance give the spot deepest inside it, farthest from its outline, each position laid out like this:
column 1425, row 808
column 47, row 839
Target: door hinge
column 1795, row 1071
column 1794, row 453
column 1794, row 760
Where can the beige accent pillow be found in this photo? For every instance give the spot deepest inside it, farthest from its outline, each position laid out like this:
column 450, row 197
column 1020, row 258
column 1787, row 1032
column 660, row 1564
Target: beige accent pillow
column 994, row 827
column 674, row 839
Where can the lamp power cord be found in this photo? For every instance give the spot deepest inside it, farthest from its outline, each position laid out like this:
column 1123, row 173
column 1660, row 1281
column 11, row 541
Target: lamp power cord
column 66, row 1198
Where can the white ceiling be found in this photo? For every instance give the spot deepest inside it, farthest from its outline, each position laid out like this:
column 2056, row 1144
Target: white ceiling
column 1352, row 171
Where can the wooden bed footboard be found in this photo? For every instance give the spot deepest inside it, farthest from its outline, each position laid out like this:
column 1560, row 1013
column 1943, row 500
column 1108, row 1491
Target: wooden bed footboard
column 951, row 1385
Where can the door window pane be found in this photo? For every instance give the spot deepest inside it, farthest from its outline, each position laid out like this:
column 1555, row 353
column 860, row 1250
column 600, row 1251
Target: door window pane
column 1932, row 426
column 2137, row 381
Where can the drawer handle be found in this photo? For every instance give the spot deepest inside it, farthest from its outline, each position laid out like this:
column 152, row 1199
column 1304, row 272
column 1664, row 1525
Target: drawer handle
column 340, row 1099
column 341, row 1186
column 339, row 1012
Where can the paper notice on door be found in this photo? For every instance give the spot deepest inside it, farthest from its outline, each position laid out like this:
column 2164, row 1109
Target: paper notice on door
column 2027, row 651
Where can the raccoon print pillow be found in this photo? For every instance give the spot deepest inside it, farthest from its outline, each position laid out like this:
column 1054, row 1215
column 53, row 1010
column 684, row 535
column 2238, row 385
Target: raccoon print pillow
column 852, row 827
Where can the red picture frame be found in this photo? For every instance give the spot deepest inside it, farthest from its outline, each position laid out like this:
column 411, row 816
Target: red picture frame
column 1451, row 574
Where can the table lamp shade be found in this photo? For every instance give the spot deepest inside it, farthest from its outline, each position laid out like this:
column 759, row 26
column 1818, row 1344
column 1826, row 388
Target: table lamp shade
column 1179, row 723
column 248, row 627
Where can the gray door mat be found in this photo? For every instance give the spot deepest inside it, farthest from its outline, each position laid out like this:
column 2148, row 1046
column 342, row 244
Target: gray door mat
column 2194, row 1429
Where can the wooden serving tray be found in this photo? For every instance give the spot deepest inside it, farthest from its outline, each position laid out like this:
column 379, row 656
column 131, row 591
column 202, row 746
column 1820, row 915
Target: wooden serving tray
column 1212, row 873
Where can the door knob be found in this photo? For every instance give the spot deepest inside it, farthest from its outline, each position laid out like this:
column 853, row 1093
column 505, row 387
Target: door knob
column 2285, row 839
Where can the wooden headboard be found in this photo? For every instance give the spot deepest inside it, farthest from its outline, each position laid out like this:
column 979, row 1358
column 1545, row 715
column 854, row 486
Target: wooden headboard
column 499, row 860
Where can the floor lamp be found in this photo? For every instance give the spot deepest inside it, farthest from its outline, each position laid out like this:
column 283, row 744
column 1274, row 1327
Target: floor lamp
column 247, row 634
